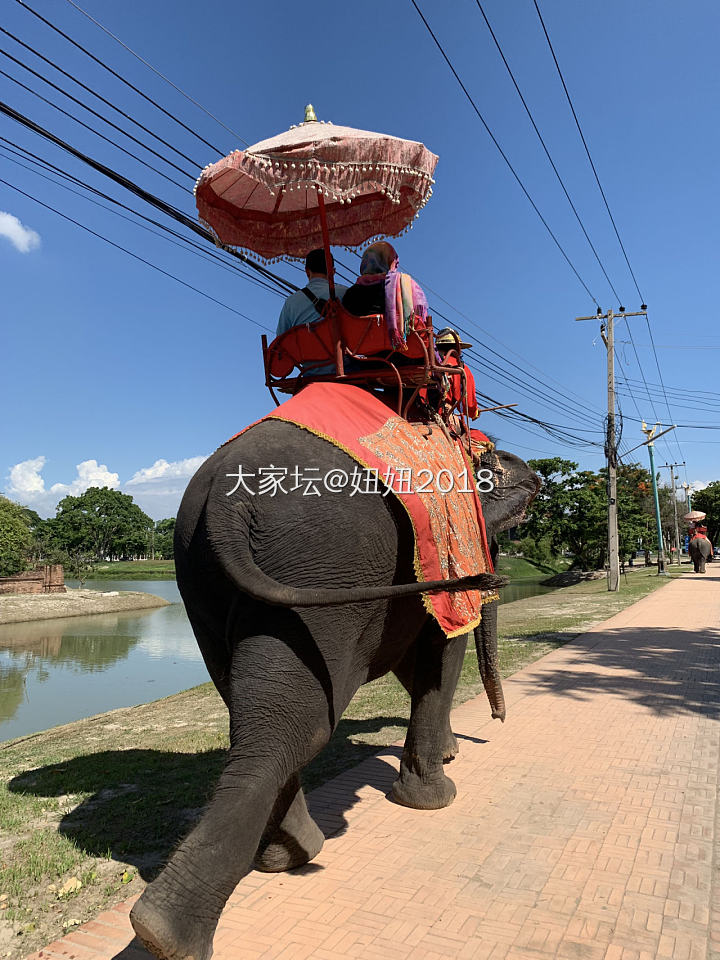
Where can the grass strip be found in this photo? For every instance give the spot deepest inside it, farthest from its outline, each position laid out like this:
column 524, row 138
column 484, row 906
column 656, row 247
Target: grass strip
column 133, row 570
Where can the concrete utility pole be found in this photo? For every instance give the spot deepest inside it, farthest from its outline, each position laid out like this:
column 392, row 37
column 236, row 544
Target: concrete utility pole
column 671, row 467
column 607, row 331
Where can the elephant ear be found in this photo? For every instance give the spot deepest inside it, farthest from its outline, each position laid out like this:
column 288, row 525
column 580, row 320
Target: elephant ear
column 514, row 489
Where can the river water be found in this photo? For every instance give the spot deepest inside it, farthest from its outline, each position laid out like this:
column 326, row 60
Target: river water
column 55, row 671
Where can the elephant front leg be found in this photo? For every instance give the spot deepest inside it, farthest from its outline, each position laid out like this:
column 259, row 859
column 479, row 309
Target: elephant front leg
column 291, row 838
column 405, row 672
column 422, row 783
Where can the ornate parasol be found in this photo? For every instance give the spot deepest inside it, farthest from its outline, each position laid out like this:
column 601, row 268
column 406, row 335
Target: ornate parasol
column 314, row 185
column 694, row 516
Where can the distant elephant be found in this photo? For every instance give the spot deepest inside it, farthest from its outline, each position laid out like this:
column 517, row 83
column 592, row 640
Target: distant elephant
column 701, row 551
column 296, row 602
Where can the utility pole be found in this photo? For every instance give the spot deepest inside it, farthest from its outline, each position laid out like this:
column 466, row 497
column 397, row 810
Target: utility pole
column 671, row 467
column 607, row 331
column 652, row 436
column 688, row 502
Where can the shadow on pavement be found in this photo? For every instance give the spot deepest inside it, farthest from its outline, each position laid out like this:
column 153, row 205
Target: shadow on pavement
column 666, row 670
column 143, row 802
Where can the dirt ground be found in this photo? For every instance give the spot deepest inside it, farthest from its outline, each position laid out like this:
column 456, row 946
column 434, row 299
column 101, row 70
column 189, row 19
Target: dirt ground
column 18, row 608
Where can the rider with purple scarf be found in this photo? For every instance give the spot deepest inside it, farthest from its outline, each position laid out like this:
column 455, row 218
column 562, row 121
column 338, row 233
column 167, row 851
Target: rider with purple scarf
column 382, row 288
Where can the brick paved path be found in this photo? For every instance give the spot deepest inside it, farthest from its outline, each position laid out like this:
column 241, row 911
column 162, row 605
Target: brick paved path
column 584, row 826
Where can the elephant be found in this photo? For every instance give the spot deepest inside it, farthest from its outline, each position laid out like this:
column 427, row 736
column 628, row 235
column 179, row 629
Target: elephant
column 296, row 602
column 701, row 551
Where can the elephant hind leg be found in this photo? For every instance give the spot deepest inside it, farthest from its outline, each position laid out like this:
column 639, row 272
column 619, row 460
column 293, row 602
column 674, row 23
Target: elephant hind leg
column 279, row 719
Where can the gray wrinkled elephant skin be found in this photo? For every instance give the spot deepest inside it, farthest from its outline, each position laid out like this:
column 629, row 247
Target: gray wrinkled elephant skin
column 296, row 601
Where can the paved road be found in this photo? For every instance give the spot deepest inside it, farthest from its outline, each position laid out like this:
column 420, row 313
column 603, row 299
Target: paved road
column 585, row 826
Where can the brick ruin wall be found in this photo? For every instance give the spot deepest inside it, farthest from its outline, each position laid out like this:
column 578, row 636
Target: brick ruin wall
column 48, row 578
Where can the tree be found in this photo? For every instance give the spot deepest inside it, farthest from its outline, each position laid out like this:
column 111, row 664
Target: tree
column 101, row 523
column 15, row 538
column 571, row 510
column 40, row 548
column 636, row 509
column 164, row 537
column 708, row 501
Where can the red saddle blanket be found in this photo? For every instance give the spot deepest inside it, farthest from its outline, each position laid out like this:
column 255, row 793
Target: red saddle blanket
column 430, row 475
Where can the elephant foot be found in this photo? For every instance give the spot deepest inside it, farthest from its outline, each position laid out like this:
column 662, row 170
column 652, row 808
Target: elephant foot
column 171, row 938
column 286, row 851
column 429, row 791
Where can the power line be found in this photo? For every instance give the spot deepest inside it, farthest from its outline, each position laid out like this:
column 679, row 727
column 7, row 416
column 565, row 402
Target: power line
column 552, row 427
column 122, row 79
column 156, row 72
column 98, row 96
column 630, row 393
column 184, row 239
column 605, row 201
column 555, row 430
column 487, row 333
column 135, row 256
column 657, row 364
column 167, row 233
column 533, row 392
column 110, row 123
column 545, row 148
column 145, row 195
column 502, row 153
column 686, row 393
column 642, row 372
column 522, row 370
column 587, row 151
column 91, row 129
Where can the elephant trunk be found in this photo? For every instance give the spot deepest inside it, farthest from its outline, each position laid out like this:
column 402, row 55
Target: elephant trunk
column 486, row 646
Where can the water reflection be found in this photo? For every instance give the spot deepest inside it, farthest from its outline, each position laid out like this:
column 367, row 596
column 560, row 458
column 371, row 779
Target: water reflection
column 522, row 589
column 55, row 671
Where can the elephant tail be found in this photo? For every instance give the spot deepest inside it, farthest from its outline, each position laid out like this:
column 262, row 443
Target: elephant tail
column 246, row 575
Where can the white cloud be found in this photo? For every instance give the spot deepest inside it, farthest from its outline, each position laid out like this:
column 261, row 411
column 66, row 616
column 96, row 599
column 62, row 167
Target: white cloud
column 90, row 473
column 28, row 486
column 699, row 485
column 26, row 481
column 162, row 470
column 21, row 237
column 157, row 489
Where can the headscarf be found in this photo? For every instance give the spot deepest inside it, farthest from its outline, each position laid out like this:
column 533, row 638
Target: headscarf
column 404, row 299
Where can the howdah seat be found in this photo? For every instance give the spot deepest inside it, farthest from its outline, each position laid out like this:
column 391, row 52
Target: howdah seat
column 348, row 349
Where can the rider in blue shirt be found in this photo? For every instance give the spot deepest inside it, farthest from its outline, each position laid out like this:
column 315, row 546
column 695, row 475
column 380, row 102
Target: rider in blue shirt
column 304, row 305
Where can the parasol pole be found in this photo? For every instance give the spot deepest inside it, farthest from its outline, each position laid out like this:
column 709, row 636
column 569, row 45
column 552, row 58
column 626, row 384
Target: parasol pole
column 326, row 244
column 332, row 305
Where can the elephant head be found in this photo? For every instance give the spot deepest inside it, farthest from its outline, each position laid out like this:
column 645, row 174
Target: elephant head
column 514, row 487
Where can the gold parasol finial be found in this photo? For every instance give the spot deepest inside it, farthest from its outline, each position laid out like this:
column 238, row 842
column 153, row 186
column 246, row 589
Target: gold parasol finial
column 310, row 114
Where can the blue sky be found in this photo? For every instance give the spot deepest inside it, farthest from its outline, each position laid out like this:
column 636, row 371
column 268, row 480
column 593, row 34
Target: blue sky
column 114, row 367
